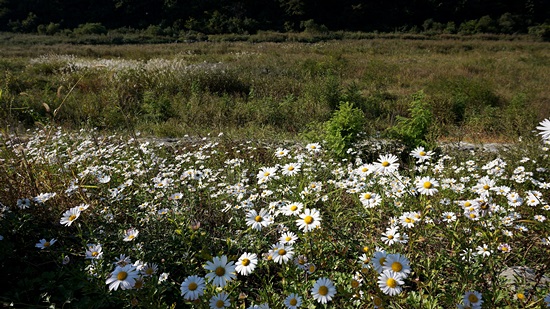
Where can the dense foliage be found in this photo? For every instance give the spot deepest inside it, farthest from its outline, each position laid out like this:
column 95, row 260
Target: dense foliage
column 244, row 16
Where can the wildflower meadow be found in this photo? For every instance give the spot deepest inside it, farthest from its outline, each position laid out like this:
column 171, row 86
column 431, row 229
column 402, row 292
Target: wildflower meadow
column 90, row 220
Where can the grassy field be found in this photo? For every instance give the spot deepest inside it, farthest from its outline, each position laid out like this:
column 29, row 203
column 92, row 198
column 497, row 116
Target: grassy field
column 477, row 90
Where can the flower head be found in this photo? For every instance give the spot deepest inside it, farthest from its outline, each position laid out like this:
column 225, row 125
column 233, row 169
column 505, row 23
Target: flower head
column 220, row 301
column 246, row 263
column 323, row 290
column 309, row 220
column 123, row 277
column 70, row 216
column 293, row 301
column 544, row 128
column 390, row 282
column 192, row 287
column 221, row 271
column 44, row 244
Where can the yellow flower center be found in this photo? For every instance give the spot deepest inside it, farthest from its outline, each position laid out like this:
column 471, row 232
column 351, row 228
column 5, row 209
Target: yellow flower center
column 486, row 187
column 354, row 283
column 365, row 248
column 390, row 236
column 520, row 296
column 72, row 217
column 473, row 298
column 408, row 220
column 293, row 302
column 449, row 216
column 427, row 185
column 293, row 207
column 220, row 271
column 131, row 236
column 422, row 153
column 245, row 262
column 95, row 253
column 385, row 164
column 382, row 260
column 192, row 286
column 220, row 303
column 266, row 174
column 311, row 268
column 396, row 266
column 364, row 170
column 282, row 252
column 323, row 290
column 122, row 275
column 149, row 271
column 258, row 219
column 308, row 219
column 467, row 204
column 288, row 238
column 47, row 244
column 367, row 196
column 473, row 215
column 290, row 168
column 391, row 283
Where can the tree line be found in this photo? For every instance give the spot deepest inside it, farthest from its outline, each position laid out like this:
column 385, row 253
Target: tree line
column 251, row 16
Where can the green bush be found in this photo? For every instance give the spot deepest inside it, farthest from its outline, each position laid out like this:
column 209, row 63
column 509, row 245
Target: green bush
column 414, row 131
column 90, row 28
column 541, row 31
column 342, row 129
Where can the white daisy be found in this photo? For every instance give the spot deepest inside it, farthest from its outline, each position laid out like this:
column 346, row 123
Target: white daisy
column 427, row 185
column 221, row 271
column 387, row 164
column 70, row 216
column 309, row 220
column 293, row 301
column 323, row 290
column 390, row 282
column 94, row 252
column 130, row 234
column 258, row 220
column 544, row 127
column 288, row 238
column 44, row 244
column 398, row 264
column 220, row 301
column 192, row 287
column 246, row 263
column 281, row 253
column 123, row 277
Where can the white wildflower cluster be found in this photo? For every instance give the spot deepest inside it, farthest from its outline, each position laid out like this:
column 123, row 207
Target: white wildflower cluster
column 274, row 210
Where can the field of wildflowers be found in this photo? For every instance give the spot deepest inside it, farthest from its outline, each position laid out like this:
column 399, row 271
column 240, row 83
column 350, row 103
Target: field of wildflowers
column 96, row 221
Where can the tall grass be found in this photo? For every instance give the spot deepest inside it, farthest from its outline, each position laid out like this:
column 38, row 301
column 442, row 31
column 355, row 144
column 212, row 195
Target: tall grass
column 477, row 90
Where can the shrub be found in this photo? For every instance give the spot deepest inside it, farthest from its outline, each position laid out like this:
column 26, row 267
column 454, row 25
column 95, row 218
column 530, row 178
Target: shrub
column 414, row 131
column 90, row 28
column 310, row 26
column 541, row 31
column 342, row 129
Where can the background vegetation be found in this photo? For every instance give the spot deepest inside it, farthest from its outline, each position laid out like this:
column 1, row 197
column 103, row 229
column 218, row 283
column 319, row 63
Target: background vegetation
column 176, row 17
column 473, row 89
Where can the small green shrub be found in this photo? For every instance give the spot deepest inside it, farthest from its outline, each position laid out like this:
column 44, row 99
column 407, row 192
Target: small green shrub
column 414, row 131
column 90, row 28
column 541, row 31
column 342, row 129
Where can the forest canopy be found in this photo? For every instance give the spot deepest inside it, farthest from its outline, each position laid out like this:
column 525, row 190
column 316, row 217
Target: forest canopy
column 248, row 17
